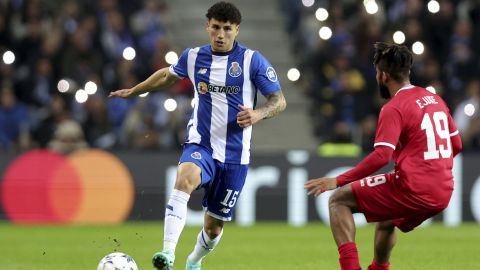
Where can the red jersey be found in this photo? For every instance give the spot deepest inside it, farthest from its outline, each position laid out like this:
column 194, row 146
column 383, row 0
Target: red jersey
column 417, row 124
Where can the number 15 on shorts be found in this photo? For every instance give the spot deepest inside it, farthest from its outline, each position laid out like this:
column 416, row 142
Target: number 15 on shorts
column 372, row 181
column 230, row 198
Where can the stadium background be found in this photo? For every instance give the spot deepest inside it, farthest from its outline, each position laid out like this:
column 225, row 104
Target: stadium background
column 61, row 58
column 70, row 155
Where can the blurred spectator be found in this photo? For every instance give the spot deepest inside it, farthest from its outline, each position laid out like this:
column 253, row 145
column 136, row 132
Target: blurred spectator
column 98, row 128
column 341, row 144
column 68, row 138
column 14, row 121
column 467, row 116
column 48, row 120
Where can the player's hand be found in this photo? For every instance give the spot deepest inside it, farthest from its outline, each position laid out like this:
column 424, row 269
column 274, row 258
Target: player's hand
column 320, row 185
column 123, row 93
column 247, row 117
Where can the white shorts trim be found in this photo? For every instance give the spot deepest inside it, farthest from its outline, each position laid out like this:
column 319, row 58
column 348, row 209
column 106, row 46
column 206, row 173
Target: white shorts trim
column 218, row 217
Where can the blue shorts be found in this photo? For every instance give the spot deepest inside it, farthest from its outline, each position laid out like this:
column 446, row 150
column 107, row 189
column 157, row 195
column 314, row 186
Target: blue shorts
column 223, row 182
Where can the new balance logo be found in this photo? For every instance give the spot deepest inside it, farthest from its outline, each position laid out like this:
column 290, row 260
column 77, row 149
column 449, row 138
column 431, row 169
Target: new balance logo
column 202, row 71
column 225, row 210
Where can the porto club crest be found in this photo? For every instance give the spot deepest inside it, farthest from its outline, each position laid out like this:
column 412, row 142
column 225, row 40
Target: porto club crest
column 235, row 70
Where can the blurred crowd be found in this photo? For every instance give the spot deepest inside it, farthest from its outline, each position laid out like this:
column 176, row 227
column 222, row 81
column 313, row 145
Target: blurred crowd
column 60, row 46
column 75, row 42
column 339, row 76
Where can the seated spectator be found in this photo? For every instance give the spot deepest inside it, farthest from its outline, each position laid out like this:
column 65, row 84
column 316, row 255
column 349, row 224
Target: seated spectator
column 68, row 138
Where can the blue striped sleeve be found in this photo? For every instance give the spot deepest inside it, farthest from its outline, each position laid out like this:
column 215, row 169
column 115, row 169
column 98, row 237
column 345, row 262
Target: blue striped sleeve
column 263, row 75
column 180, row 69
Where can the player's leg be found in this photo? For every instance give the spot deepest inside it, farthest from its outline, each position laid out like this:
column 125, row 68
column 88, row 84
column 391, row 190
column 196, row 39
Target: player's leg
column 196, row 169
column 220, row 200
column 385, row 239
column 207, row 239
column 188, row 179
column 342, row 205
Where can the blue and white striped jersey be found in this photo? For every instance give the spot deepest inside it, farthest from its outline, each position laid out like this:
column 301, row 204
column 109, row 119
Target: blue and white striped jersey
column 223, row 81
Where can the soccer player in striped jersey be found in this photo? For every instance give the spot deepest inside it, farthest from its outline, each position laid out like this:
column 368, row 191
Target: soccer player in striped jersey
column 415, row 128
column 226, row 76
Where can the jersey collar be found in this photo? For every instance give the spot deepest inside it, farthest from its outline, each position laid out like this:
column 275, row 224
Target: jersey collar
column 406, row 87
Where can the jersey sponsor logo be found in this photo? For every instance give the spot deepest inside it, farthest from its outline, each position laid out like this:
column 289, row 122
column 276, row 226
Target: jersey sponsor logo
column 196, row 155
column 203, row 88
column 235, row 70
column 271, row 74
column 202, row 71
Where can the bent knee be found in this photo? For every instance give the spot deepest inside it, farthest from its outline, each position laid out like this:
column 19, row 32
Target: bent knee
column 188, row 177
column 343, row 197
column 185, row 185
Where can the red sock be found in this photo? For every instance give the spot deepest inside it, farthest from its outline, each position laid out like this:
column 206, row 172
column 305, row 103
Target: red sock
column 378, row 266
column 349, row 256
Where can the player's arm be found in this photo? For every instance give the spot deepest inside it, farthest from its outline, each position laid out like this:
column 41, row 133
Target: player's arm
column 160, row 79
column 388, row 133
column 275, row 104
column 370, row 164
column 455, row 138
column 456, row 144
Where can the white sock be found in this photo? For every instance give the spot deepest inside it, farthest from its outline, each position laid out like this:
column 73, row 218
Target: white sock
column 175, row 216
column 203, row 246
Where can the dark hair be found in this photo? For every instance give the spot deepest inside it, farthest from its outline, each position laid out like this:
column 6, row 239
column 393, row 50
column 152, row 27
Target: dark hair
column 394, row 59
column 224, row 12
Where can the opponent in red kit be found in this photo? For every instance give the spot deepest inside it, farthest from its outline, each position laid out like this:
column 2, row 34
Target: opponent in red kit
column 417, row 130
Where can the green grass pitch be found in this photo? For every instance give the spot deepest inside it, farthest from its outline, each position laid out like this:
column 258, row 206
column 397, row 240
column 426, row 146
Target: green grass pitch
column 263, row 246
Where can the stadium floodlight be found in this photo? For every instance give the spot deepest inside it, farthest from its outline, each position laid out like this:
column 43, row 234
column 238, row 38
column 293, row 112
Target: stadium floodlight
column 170, row 104
column 90, row 88
column 171, row 57
column 81, row 96
column 308, row 3
column 129, row 53
column 370, row 6
column 293, row 74
column 321, row 14
column 325, row 33
column 8, row 57
column 469, row 109
column 63, row 86
column 418, row 47
column 399, row 37
column 433, row 6
column 143, row 95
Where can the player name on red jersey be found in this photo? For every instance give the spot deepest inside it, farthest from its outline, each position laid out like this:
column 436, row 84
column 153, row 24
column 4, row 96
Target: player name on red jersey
column 426, row 100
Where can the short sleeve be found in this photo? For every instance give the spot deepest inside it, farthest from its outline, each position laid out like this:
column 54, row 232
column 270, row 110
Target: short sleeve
column 389, row 127
column 263, row 75
column 180, row 69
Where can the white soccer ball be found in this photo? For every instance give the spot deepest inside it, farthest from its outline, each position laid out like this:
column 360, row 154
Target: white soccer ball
column 117, row 261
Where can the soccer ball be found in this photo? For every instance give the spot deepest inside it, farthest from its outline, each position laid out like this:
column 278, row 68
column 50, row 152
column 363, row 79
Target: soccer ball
column 117, row 261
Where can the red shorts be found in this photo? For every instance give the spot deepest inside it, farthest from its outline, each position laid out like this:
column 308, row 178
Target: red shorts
column 382, row 198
